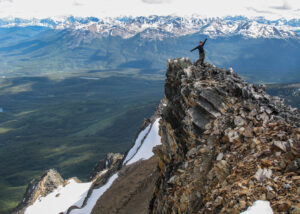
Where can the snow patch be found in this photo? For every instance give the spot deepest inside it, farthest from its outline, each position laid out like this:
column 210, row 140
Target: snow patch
column 96, row 194
column 152, row 140
column 137, row 144
column 60, row 199
column 259, row 207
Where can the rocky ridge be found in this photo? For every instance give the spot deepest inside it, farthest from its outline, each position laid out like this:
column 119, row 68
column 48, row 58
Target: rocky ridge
column 40, row 187
column 225, row 144
column 51, row 180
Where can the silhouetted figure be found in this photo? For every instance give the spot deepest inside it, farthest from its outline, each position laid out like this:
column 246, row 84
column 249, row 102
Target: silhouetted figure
column 201, row 52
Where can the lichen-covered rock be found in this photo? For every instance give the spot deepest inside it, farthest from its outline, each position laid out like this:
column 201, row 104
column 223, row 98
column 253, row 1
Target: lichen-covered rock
column 225, row 144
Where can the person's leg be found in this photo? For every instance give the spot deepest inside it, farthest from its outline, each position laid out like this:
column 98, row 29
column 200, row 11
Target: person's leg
column 202, row 56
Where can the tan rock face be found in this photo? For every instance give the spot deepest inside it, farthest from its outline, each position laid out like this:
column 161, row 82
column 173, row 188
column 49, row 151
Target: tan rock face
column 225, row 144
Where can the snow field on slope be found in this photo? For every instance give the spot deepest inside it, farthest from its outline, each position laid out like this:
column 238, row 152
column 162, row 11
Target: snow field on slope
column 96, row 194
column 152, row 140
column 60, row 199
column 140, row 150
column 259, row 207
column 137, row 144
column 73, row 194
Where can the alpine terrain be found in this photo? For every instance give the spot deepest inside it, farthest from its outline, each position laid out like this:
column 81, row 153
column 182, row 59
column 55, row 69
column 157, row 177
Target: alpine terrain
column 215, row 144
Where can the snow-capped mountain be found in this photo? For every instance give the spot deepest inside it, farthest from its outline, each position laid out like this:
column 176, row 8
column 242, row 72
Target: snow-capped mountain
column 165, row 26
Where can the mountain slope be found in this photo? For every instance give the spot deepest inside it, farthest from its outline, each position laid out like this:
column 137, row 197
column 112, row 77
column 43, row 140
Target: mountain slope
column 132, row 191
column 54, row 123
column 74, row 197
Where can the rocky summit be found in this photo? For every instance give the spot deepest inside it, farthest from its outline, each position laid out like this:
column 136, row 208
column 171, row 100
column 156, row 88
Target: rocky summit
column 225, row 144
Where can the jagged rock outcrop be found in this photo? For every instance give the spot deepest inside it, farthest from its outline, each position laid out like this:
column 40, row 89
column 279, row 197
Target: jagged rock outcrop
column 51, row 180
column 40, row 187
column 225, row 144
column 111, row 163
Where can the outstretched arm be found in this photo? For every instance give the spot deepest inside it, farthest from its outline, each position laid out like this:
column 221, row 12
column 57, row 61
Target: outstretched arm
column 194, row 48
column 204, row 42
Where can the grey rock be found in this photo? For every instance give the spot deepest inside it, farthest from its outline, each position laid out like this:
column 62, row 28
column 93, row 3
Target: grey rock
column 199, row 117
column 294, row 166
column 282, row 145
column 262, row 174
column 220, row 156
column 239, row 121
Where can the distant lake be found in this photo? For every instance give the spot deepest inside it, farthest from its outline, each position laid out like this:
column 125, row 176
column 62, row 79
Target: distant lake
column 1, row 109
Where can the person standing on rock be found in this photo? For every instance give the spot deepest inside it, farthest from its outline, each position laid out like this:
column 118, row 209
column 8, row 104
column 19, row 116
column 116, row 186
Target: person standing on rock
column 201, row 52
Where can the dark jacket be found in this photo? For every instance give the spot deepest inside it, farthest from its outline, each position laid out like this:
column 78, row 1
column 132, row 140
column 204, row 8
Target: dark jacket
column 200, row 47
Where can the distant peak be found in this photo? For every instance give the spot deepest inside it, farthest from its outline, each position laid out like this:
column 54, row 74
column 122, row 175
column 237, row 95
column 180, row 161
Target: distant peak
column 168, row 26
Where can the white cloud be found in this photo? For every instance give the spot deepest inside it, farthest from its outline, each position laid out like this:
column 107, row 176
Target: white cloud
column 101, row 8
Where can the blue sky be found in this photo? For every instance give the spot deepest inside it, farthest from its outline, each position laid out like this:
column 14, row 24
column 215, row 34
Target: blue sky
column 272, row 9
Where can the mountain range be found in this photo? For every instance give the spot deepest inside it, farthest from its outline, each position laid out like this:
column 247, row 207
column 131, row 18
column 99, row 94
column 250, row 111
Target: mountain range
column 260, row 49
column 158, row 27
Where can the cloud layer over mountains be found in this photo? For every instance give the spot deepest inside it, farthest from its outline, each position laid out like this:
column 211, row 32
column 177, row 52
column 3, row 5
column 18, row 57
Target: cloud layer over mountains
column 99, row 8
